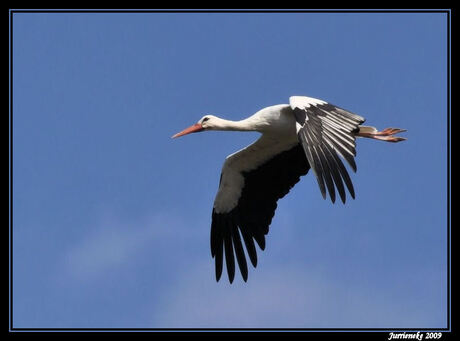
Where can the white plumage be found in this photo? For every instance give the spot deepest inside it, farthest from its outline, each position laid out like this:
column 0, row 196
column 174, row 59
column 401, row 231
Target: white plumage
column 306, row 133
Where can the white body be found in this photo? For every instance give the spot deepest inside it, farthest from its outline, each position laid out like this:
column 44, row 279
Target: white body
column 307, row 133
column 278, row 127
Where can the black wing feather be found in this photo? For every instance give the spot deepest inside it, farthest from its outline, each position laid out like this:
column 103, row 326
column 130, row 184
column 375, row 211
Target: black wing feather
column 229, row 257
column 240, row 253
column 217, row 244
column 327, row 131
column 263, row 187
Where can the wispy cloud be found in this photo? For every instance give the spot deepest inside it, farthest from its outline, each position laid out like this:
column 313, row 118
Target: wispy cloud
column 114, row 243
column 295, row 295
column 282, row 298
column 298, row 295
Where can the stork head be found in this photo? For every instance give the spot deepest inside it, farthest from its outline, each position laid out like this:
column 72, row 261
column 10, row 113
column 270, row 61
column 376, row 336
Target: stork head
column 207, row 122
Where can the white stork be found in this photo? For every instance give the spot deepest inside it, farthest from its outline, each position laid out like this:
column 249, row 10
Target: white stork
column 306, row 133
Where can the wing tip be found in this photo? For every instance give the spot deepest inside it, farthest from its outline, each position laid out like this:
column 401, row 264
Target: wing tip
column 218, row 275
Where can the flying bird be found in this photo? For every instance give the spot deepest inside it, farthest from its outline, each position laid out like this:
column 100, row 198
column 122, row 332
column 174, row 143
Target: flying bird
column 306, row 133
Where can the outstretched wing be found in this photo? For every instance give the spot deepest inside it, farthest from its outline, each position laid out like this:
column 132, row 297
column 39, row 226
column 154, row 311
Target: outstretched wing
column 247, row 200
column 326, row 131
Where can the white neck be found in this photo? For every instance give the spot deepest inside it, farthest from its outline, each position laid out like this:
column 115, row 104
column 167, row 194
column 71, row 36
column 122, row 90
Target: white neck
column 243, row 125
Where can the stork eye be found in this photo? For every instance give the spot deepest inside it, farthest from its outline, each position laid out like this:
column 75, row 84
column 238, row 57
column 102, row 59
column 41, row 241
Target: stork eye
column 205, row 119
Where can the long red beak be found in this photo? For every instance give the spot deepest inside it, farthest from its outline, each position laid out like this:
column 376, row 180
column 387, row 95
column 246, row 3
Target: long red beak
column 192, row 129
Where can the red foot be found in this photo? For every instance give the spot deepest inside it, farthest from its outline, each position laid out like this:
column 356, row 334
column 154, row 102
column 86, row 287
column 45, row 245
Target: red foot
column 385, row 135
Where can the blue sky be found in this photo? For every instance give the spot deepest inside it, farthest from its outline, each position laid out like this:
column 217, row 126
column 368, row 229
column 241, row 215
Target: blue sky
column 111, row 217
